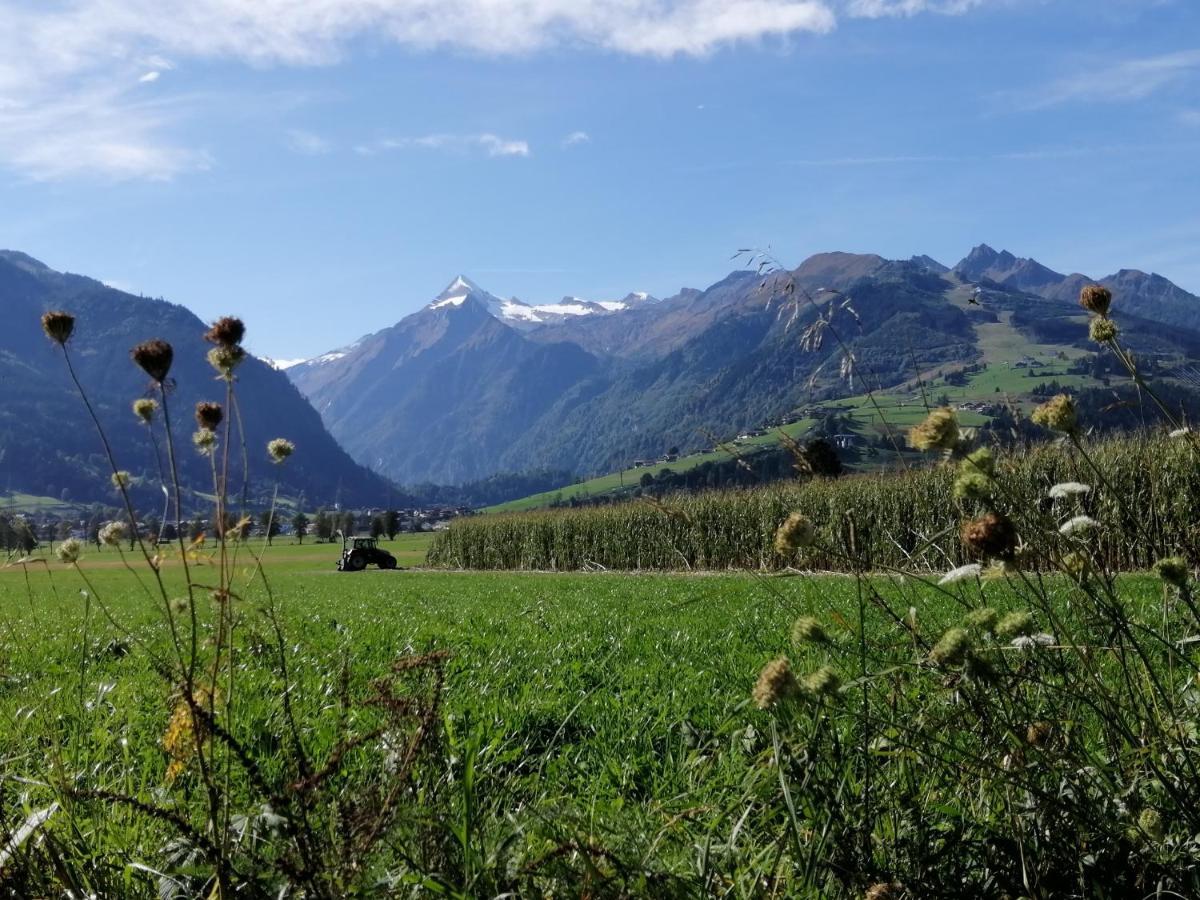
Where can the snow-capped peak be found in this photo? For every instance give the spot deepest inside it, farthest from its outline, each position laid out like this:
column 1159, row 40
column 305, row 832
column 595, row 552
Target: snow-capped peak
column 522, row 315
column 456, row 292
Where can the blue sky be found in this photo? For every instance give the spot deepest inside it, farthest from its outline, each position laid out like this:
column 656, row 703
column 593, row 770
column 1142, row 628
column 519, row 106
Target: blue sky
column 324, row 167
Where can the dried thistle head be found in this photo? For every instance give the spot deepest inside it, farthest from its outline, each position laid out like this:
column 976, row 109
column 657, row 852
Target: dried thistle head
column 776, row 683
column 155, row 358
column 113, row 533
column 209, row 415
column 145, row 408
column 280, row 449
column 204, row 441
column 1015, row 624
column 121, row 479
column 807, row 630
column 1057, row 414
column 1095, row 298
column 952, row 648
column 796, row 531
column 824, row 682
column 1038, row 733
column 990, row 535
column 227, row 331
column 58, row 326
column 68, row 551
column 1173, row 570
column 1151, row 823
column 1103, row 330
column 225, row 359
column 939, row 431
column 884, row 890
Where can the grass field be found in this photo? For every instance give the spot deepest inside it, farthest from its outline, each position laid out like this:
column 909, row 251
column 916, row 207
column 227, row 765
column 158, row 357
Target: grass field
column 598, row 733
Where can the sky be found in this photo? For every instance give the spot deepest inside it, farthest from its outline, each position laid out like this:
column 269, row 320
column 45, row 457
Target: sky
column 325, row 167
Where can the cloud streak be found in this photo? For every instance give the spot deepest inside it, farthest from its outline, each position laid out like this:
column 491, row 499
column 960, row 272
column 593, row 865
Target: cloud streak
column 491, row 144
column 1117, row 81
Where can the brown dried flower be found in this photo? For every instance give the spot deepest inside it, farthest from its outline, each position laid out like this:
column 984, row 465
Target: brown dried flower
column 1095, row 298
column 1057, row 414
column 939, row 431
column 58, row 326
column 209, row 415
column 155, row 358
column 227, row 331
column 776, row 682
column 992, row 534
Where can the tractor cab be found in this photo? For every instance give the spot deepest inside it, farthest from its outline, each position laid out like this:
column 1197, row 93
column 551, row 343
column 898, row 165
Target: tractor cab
column 360, row 552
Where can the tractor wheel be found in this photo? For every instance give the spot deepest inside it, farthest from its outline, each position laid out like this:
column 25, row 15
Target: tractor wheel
column 357, row 562
column 387, row 563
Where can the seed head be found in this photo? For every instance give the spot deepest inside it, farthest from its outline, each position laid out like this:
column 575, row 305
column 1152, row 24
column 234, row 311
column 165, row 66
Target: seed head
column 112, row 534
column 1152, row 824
column 981, row 461
column 962, row 573
column 205, row 441
column 1057, row 414
column 991, row 534
column 796, row 531
column 1103, row 330
column 884, row 890
column 145, row 408
column 776, row 683
column 227, row 331
column 155, row 358
column 807, row 630
column 1038, row 733
column 121, row 479
column 972, row 486
column 1077, row 565
column 952, row 648
column 1173, row 570
column 58, row 326
column 1095, row 298
column 1015, row 624
column 824, row 682
column 225, row 359
column 982, row 619
column 68, row 551
column 1078, row 525
column 280, row 449
column 1069, row 489
column 209, row 415
column 939, row 431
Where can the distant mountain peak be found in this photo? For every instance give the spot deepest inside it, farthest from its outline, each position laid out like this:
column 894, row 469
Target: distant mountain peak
column 458, row 291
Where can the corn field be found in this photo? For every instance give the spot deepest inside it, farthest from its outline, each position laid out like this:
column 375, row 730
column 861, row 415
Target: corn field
column 1145, row 493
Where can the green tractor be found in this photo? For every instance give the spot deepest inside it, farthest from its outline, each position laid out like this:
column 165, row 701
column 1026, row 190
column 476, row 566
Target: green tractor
column 360, row 552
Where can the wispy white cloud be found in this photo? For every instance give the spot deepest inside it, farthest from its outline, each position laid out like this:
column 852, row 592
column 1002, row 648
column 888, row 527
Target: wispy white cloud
column 1116, row 81
column 1190, row 117
column 306, row 143
column 491, row 144
column 58, row 54
column 877, row 9
column 575, row 138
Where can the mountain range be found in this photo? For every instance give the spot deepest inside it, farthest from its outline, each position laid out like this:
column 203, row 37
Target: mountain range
column 471, row 385
column 48, row 445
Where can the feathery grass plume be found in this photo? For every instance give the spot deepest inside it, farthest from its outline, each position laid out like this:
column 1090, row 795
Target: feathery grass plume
column 982, row 461
column 209, row 415
column 962, row 573
column 1103, row 330
column 68, row 551
column 939, row 431
column 952, row 648
column 1015, row 624
column 121, row 479
column 1151, row 823
column 225, row 360
column 807, row 630
column 1173, row 570
column 824, row 682
column 1069, row 489
column 990, row 535
column 1057, row 414
column 1180, row 432
column 1078, row 525
column 227, row 331
column 1029, row 641
column 280, row 449
column 145, row 408
column 204, row 441
column 155, row 358
column 1038, row 733
column 113, row 533
column 58, row 326
column 776, row 683
column 797, row 531
column 185, row 732
column 1095, row 298
column 982, row 619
